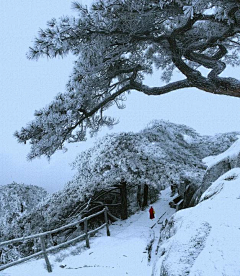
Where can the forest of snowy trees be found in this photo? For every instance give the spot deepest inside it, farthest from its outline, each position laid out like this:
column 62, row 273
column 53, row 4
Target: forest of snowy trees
column 118, row 43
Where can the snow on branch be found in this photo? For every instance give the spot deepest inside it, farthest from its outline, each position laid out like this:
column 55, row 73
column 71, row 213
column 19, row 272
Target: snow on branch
column 116, row 44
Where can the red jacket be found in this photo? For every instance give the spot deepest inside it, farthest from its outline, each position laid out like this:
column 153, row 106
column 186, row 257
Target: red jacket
column 152, row 212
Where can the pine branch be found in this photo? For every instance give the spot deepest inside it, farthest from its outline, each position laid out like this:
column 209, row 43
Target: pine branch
column 161, row 90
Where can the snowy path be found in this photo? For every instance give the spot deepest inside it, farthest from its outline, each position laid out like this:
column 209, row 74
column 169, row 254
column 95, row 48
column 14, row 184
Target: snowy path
column 123, row 253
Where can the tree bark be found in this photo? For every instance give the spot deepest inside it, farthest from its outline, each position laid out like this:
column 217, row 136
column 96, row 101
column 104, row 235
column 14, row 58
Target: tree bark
column 123, row 194
column 145, row 196
column 139, row 195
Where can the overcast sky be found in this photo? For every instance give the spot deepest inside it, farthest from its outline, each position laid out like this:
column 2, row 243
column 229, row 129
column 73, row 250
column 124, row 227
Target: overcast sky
column 29, row 85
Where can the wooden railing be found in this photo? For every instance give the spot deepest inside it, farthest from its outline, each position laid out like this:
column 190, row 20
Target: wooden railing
column 43, row 235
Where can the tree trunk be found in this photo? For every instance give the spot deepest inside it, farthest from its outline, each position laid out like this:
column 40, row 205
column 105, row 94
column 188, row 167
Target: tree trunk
column 123, row 194
column 145, row 196
column 139, row 196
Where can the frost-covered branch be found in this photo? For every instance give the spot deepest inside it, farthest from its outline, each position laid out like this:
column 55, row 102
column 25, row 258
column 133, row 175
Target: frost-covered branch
column 161, row 90
column 116, row 44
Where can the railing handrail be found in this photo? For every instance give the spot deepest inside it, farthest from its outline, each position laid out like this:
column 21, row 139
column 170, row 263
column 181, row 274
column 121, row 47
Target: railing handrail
column 51, row 231
column 46, row 250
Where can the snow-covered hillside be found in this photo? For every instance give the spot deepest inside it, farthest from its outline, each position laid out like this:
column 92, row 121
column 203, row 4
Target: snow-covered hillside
column 203, row 240
column 198, row 241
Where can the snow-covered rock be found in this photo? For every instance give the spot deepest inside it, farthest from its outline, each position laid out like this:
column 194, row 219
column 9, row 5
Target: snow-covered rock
column 218, row 165
column 231, row 155
column 202, row 240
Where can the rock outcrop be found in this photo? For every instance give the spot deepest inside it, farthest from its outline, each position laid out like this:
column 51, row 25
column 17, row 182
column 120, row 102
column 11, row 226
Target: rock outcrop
column 201, row 240
column 217, row 166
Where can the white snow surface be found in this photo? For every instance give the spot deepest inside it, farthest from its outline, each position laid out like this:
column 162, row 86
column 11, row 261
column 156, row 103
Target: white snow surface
column 230, row 154
column 123, row 253
column 187, row 138
column 205, row 239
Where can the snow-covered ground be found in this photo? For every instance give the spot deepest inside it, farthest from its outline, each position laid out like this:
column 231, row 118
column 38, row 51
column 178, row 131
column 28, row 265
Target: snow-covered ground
column 130, row 250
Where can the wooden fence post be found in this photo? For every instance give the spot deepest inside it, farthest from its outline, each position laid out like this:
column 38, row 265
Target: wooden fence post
column 86, row 232
column 106, row 221
column 49, row 268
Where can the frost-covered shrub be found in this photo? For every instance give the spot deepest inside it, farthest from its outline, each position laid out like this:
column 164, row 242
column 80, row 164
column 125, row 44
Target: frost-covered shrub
column 16, row 200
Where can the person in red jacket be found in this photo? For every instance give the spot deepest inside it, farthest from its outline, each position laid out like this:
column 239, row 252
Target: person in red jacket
column 151, row 212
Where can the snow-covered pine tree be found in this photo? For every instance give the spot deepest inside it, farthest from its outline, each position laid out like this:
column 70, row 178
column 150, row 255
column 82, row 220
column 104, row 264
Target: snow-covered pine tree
column 116, row 44
column 156, row 157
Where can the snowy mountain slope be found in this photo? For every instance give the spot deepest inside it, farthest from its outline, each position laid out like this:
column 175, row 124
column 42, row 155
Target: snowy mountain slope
column 123, row 253
column 202, row 240
column 216, row 144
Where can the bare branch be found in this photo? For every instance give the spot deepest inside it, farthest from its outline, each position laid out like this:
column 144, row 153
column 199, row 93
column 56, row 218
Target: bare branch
column 235, row 42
